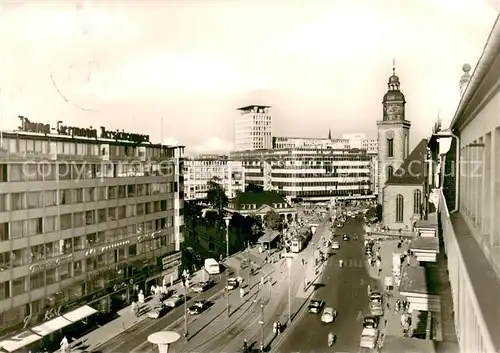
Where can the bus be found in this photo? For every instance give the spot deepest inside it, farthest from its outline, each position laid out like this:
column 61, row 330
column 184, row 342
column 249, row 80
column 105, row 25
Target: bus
column 212, row 267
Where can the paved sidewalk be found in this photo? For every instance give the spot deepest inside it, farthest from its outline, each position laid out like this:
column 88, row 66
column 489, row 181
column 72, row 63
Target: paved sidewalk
column 127, row 319
column 391, row 323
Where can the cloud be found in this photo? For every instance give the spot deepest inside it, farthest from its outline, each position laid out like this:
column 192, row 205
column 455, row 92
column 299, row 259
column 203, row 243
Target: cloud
column 212, row 145
column 171, row 141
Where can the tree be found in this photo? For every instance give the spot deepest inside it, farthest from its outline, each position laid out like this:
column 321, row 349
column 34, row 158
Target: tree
column 216, row 195
column 272, row 220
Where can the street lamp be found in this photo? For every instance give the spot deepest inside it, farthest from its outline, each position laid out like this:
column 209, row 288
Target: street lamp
column 261, row 322
column 185, row 284
column 227, row 219
column 289, row 265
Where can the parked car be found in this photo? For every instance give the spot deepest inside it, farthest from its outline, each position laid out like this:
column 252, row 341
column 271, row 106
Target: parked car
column 198, row 307
column 376, row 309
column 175, row 300
column 369, row 338
column 345, row 237
column 232, row 283
column 315, row 306
column 375, row 297
column 335, row 245
column 329, row 315
column 202, row 286
column 158, row 311
column 370, row 322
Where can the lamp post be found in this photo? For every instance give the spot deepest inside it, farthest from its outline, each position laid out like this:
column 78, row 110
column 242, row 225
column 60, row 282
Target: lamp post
column 227, row 219
column 184, row 284
column 289, row 265
column 261, row 322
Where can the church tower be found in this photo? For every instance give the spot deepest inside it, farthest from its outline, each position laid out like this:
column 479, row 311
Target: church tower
column 393, row 132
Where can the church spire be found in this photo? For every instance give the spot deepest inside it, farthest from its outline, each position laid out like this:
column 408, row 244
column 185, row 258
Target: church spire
column 394, row 66
column 329, row 134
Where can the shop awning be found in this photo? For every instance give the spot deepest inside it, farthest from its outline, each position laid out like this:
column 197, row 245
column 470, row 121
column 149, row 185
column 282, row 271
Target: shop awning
column 80, row 313
column 51, row 326
column 19, row 341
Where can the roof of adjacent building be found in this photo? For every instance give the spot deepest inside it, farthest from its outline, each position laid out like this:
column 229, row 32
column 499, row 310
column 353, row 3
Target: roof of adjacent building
column 258, row 198
column 425, row 244
column 412, row 170
column 422, row 280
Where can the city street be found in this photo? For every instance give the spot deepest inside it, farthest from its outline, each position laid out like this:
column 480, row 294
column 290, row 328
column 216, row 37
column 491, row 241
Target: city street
column 248, row 326
column 345, row 289
column 136, row 335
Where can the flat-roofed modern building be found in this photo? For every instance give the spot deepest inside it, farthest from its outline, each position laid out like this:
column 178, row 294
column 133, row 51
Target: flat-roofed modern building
column 87, row 217
column 253, row 128
column 313, row 174
column 469, row 203
column 281, row 142
column 200, row 170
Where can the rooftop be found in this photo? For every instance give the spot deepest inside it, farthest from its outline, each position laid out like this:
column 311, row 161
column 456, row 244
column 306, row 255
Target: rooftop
column 412, row 171
column 393, row 344
column 430, row 222
column 425, row 243
column 249, row 107
column 417, row 279
column 258, row 198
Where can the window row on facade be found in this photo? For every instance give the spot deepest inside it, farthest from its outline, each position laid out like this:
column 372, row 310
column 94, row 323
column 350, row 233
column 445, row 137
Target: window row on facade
column 38, row 199
column 40, row 171
column 49, row 250
column 81, row 149
column 61, row 272
column 48, row 224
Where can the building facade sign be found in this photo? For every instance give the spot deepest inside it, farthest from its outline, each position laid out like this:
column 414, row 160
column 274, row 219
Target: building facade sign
column 74, row 131
column 53, row 263
column 171, row 261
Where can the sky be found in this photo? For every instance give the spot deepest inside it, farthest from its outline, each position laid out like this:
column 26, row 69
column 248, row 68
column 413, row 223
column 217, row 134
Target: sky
column 177, row 70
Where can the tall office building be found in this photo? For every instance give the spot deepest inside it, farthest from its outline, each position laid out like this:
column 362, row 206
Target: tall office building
column 87, row 217
column 253, row 128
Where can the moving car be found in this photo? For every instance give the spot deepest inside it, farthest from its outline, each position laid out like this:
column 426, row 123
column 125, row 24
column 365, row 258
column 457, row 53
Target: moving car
column 158, row 311
column 202, row 286
column 329, row 315
column 370, row 322
column 232, row 283
column 198, row 307
column 315, row 306
column 335, row 245
column 369, row 338
column 345, row 237
column 175, row 300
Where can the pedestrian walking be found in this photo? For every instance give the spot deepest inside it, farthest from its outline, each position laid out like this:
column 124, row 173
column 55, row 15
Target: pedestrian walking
column 64, row 345
column 242, row 292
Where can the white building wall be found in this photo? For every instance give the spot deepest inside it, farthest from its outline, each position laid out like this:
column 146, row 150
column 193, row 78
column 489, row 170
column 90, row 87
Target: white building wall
column 198, row 172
